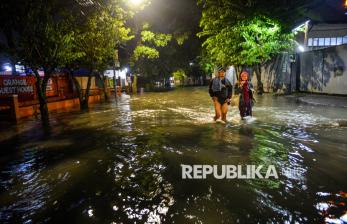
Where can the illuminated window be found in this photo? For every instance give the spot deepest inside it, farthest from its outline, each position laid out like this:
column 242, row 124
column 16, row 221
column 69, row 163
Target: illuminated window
column 339, row 41
column 310, row 42
column 315, row 41
column 344, row 41
column 327, row 41
column 321, row 42
column 333, row 41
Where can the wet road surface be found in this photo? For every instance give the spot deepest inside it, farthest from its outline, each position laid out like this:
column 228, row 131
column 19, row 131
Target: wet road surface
column 120, row 163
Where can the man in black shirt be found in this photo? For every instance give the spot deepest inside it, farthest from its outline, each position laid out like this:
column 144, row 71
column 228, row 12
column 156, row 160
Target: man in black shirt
column 220, row 90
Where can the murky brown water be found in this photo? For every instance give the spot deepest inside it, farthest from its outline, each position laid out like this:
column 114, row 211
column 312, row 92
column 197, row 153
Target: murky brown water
column 120, row 163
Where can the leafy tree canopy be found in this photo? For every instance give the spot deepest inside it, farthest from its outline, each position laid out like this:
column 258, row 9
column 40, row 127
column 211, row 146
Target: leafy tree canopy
column 248, row 42
column 247, row 32
column 101, row 32
column 165, row 41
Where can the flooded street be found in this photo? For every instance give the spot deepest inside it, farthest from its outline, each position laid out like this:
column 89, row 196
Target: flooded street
column 121, row 163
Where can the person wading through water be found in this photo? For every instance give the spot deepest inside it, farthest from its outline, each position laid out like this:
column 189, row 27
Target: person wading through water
column 220, row 90
column 245, row 89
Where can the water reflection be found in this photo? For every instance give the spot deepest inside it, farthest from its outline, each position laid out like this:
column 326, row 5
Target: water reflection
column 120, row 163
column 138, row 174
column 29, row 192
column 332, row 206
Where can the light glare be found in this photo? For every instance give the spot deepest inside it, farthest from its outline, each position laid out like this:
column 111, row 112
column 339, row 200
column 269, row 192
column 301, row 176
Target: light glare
column 136, row 2
column 7, row 68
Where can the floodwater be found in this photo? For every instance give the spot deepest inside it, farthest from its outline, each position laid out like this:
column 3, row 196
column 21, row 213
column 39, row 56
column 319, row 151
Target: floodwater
column 121, row 163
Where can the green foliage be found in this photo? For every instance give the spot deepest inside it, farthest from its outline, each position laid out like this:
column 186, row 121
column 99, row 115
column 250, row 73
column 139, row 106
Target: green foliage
column 248, row 42
column 147, row 47
column 46, row 42
column 161, row 39
column 182, row 37
column 100, row 35
column 179, row 74
column 205, row 62
column 168, row 32
column 262, row 38
column 147, row 36
column 156, row 39
column 145, row 52
column 247, row 33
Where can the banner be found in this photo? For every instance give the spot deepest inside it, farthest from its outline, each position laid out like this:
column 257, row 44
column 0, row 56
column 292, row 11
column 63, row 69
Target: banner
column 24, row 87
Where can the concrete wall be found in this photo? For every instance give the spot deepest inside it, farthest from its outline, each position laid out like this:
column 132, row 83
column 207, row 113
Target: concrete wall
column 324, row 71
column 278, row 75
column 318, row 71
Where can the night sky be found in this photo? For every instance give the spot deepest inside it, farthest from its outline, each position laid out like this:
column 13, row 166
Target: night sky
column 168, row 16
column 328, row 11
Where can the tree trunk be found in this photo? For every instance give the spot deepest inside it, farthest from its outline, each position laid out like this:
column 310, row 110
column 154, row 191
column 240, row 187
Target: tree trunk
column 84, row 104
column 104, row 83
column 41, row 86
column 134, row 85
column 238, row 70
column 78, row 88
column 260, row 88
column 81, row 96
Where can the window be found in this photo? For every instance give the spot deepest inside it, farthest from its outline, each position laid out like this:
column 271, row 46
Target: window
column 339, row 41
column 327, row 41
column 344, row 41
column 310, row 41
column 315, row 42
column 333, row 41
column 321, row 42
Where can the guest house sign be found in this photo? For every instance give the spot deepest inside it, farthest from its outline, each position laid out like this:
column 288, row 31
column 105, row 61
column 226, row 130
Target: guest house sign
column 24, row 87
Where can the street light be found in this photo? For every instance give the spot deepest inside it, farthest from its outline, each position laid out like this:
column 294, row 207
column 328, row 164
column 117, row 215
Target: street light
column 298, row 28
column 301, row 48
column 136, row 2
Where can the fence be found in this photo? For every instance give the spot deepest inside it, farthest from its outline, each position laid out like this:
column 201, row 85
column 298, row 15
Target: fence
column 318, row 71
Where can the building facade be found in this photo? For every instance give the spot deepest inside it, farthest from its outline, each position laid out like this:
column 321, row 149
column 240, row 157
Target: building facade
column 326, row 35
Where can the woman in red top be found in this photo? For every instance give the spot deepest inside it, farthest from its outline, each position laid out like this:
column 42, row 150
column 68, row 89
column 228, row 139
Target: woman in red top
column 246, row 95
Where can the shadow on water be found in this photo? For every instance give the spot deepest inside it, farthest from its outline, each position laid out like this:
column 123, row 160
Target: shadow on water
column 121, row 162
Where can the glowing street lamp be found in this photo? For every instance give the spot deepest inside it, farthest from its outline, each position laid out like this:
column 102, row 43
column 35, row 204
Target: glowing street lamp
column 305, row 26
column 136, row 2
column 298, row 28
column 301, row 48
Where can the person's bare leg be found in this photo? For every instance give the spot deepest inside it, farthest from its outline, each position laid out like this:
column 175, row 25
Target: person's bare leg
column 217, row 108
column 224, row 112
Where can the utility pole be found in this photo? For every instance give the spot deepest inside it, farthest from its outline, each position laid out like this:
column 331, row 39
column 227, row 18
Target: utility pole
column 306, row 34
column 116, row 65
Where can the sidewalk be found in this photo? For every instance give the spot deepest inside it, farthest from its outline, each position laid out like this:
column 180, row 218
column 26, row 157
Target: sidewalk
column 324, row 100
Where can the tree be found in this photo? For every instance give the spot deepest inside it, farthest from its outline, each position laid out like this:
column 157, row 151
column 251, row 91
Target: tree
column 46, row 42
column 247, row 34
column 51, row 35
column 99, row 35
column 39, row 35
column 158, row 61
column 179, row 75
column 147, row 49
column 250, row 42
